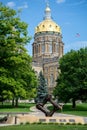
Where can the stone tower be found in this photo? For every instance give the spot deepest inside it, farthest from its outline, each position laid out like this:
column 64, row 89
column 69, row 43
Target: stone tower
column 47, row 49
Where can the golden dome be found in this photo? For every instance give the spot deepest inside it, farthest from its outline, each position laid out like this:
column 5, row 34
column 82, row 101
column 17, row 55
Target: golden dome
column 47, row 24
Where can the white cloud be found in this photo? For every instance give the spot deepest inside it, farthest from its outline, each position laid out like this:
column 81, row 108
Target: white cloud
column 11, row 4
column 24, row 6
column 74, row 3
column 80, row 2
column 60, row 1
column 75, row 46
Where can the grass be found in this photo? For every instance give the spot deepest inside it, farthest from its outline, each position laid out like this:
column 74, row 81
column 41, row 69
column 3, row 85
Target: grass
column 23, row 107
column 45, row 127
column 80, row 110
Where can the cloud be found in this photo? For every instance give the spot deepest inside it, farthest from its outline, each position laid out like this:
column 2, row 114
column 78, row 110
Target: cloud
column 11, row 4
column 79, row 2
column 24, row 6
column 74, row 3
column 75, row 46
column 60, row 1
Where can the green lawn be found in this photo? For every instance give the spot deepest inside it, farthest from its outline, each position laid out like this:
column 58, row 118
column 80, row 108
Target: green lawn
column 80, row 110
column 45, row 127
column 23, row 107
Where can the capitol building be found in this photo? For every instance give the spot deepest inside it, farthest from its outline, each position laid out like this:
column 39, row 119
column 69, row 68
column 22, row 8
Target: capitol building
column 47, row 49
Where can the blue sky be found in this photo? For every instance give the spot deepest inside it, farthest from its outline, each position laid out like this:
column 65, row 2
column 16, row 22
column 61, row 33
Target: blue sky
column 70, row 15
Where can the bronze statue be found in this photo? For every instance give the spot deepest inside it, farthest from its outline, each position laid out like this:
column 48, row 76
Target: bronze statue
column 48, row 98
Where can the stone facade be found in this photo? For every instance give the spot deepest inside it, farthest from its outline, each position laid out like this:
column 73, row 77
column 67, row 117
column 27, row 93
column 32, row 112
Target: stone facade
column 47, row 48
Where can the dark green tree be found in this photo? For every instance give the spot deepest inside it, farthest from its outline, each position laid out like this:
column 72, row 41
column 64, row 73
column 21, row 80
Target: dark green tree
column 72, row 80
column 17, row 78
column 41, row 89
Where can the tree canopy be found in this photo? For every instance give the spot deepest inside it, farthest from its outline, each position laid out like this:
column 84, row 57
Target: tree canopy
column 72, row 80
column 17, row 78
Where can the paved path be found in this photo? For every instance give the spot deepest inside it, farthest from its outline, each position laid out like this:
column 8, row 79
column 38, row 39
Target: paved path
column 37, row 112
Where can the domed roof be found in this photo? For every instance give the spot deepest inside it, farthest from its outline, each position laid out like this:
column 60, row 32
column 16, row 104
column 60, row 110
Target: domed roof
column 48, row 24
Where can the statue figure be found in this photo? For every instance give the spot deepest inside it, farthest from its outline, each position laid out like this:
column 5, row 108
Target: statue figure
column 48, row 98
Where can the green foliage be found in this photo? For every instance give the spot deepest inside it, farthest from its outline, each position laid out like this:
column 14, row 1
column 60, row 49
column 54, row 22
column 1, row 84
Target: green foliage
column 41, row 89
column 17, row 78
column 72, row 81
column 42, row 86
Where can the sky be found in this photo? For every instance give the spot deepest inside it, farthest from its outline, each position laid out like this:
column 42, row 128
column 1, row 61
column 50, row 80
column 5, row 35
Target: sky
column 70, row 15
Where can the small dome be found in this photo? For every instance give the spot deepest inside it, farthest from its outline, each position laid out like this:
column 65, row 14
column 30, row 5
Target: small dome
column 48, row 25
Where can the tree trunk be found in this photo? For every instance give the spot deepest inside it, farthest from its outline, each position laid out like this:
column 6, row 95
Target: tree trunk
column 13, row 102
column 16, row 102
column 2, row 103
column 73, row 103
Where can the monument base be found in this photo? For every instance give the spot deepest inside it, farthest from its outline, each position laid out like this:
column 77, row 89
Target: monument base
column 35, row 119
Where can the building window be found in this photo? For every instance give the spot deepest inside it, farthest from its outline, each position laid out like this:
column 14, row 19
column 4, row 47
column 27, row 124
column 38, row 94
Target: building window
column 37, row 49
column 56, row 47
column 50, row 48
column 51, row 79
column 43, row 48
column 46, row 81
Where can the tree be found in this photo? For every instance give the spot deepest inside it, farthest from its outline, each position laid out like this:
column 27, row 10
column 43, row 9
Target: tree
column 72, row 80
column 41, row 89
column 17, row 78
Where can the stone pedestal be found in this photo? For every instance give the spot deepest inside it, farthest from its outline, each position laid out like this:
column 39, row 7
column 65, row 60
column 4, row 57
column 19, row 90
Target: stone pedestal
column 54, row 119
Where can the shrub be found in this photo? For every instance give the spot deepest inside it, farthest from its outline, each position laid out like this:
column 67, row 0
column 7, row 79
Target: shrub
column 27, row 123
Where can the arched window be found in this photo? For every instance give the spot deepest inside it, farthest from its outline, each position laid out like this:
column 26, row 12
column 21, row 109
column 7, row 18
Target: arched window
column 43, row 48
column 51, row 79
column 36, row 48
column 46, row 81
column 50, row 48
column 56, row 47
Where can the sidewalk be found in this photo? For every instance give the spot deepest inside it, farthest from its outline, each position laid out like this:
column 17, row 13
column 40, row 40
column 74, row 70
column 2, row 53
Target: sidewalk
column 37, row 112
